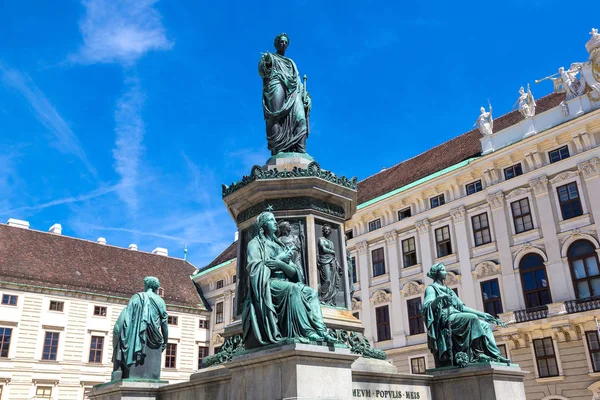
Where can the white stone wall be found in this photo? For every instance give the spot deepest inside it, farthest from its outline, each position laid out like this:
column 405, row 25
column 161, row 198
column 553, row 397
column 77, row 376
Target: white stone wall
column 71, row 374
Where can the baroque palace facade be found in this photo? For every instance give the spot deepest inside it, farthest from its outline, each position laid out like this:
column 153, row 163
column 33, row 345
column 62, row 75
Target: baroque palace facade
column 59, row 300
column 512, row 210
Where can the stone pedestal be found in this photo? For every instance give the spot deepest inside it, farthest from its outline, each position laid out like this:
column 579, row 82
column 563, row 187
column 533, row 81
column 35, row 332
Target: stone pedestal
column 128, row 389
column 488, row 381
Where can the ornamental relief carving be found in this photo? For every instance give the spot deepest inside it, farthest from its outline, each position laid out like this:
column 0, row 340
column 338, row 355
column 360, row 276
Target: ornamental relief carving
column 356, row 304
column 486, row 269
column 539, row 185
column 380, row 297
column 217, row 339
column 412, row 288
column 589, row 168
column 577, row 232
column 362, row 247
column 452, row 278
column 517, row 193
column 458, row 214
column 564, row 176
column 496, row 200
column 527, row 247
column 391, row 236
column 423, row 226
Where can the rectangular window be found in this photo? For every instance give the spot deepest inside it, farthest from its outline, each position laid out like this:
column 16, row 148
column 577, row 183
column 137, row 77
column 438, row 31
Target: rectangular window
column 442, row 240
column 403, row 214
column 545, row 357
column 409, row 252
column 353, row 266
column 570, row 203
column 378, row 260
column 417, row 365
column 558, row 154
column 219, row 313
column 172, row 320
column 234, row 279
column 100, row 311
column 171, row 355
column 382, row 318
column 43, row 392
column 349, row 234
column 473, row 187
column 50, row 346
column 220, row 283
column 481, row 229
column 513, row 171
column 594, row 349
column 502, row 348
column 375, row 224
column 522, row 215
column 203, row 324
column 56, row 306
column 5, row 334
column 490, row 293
column 415, row 319
column 202, row 352
column 9, row 300
column 437, row 201
column 96, row 346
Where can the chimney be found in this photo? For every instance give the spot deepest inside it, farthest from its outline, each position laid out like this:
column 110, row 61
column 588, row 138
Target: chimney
column 56, row 228
column 161, row 251
column 133, row 246
column 101, row 240
column 236, row 236
column 17, row 223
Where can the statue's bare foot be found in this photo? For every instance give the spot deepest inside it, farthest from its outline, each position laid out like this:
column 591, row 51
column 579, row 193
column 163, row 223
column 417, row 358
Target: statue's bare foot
column 315, row 337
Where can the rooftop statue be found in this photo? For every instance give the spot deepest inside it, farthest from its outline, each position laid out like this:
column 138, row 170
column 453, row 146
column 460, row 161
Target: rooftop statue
column 286, row 103
column 526, row 103
column 456, row 334
column 140, row 335
column 485, row 122
column 278, row 304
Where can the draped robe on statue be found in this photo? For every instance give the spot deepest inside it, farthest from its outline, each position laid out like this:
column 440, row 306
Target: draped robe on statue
column 277, row 307
column 139, row 327
column 469, row 334
column 329, row 271
column 283, row 105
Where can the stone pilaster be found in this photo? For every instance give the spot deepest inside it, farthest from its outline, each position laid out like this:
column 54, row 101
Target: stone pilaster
column 393, row 250
column 423, row 227
column 459, row 216
column 590, row 171
column 364, row 270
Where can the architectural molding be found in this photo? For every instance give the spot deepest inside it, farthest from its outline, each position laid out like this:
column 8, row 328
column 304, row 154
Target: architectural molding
column 566, row 333
column 563, row 176
column 590, row 168
column 516, row 340
column 496, row 200
column 362, row 247
column 381, row 297
column 217, row 340
column 528, row 248
column 575, row 235
column 486, row 269
column 390, row 236
column 518, row 192
column 452, row 278
column 356, row 304
column 539, row 185
column 423, row 226
column 412, row 288
column 458, row 214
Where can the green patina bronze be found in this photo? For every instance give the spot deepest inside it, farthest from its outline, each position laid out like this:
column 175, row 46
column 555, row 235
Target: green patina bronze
column 457, row 335
column 286, row 103
column 140, row 335
column 359, row 344
column 292, row 203
column 278, row 304
column 312, row 170
column 329, row 268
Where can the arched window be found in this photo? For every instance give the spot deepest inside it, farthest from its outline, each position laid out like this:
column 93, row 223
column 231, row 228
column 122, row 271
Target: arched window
column 583, row 261
column 535, row 281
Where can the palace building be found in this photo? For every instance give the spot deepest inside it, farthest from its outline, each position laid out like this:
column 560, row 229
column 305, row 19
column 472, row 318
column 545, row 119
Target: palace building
column 511, row 209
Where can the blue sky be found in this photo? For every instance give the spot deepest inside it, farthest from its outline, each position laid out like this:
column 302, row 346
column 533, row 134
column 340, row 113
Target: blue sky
column 121, row 119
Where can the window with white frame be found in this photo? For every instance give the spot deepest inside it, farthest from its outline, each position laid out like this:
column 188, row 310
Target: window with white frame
column 570, row 202
column 409, row 252
column 50, row 350
column 378, row 261
column 172, row 320
column 375, row 224
column 219, row 313
column 442, row 241
column 545, row 357
column 96, row 348
column 171, row 355
column 56, row 306
column 481, row 229
column 220, row 283
column 417, row 365
column 558, row 154
column 9, row 299
column 521, row 213
column 473, row 187
column 43, row 392
column 100, row 311
column 404, row 213
column 5, row 336
column 513, row 171
column 437, row 201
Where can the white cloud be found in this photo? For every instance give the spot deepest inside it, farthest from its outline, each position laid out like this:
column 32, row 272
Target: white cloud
column 120, row 31
column 129, row 148
column 66, row 140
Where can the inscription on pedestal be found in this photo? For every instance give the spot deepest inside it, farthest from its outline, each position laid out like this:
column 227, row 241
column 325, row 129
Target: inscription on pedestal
column 362, row 390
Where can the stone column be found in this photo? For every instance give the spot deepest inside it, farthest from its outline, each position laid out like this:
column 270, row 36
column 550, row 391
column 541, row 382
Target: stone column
column 554, row 267
column 398, row 334
column 503, row 234
column 464, row 255
column 423, row 228
column 590, row 170
column 227, row 307
column 364, row 272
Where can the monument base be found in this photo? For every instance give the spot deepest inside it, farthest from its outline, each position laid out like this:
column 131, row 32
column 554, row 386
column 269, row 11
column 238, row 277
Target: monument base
column 490, row 381
column 128, row 389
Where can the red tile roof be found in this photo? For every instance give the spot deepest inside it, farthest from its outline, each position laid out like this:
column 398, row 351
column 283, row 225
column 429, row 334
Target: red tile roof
column 443, row 156
column 56, row 261
column 227, row 254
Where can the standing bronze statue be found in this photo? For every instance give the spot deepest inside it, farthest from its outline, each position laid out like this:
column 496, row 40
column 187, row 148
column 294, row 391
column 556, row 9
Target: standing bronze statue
column 286, row 103
column 456, row 334
column 278, row 305
column 292, row 242
column 140, row 335
column 328, row 267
